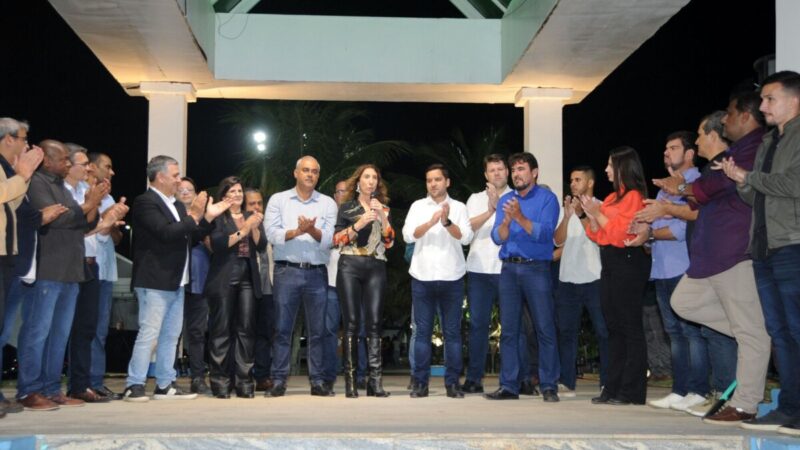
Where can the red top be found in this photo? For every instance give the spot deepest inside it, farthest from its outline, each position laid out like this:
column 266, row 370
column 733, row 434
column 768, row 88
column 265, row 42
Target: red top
column 619, row 217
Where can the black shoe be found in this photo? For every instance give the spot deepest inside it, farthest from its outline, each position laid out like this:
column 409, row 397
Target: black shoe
column 199, row 386
column 278, row 390
column 454, row 391
column 263, row 385
column 618, row 402
column 411, row 384
column 419, row 390
column 223, row 394
column 319, row 390
column 11, row 406
column 135, row 393
column 106, row 392
column 328, row 385
column 528, row 388
column 172, row 392
column 603, row 398
column 471, row 387
column 550, row 396
column 501, row 394
column 361, row 384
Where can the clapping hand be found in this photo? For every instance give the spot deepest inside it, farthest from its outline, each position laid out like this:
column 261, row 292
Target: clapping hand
column 305, row 224
column 590, row 205
column 51, row 213
column 213, row 210
column 734, row 172
column 642, row 232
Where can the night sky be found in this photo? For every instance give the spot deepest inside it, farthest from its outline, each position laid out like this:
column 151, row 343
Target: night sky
column 50, row 78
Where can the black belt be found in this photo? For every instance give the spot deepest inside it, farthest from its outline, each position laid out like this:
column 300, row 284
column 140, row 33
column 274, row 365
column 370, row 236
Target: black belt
column 518, row 260
column 299, row 265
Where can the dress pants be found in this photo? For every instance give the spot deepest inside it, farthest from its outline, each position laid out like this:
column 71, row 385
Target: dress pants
column 84, row 329
column 195, row 325
column 623, row 280
column 265, row 329
column 231, row 337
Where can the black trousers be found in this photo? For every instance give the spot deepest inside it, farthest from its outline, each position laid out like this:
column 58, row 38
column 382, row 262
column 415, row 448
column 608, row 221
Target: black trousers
column 622, row 283
column 7, row 274
column 195, row 325
column 84, row 328
column 231, row 337
column 361, row 283
column 265, row 328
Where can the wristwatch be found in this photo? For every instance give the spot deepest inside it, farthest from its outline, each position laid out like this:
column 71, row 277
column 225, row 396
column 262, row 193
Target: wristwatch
column 447, row 223
column 681, row 188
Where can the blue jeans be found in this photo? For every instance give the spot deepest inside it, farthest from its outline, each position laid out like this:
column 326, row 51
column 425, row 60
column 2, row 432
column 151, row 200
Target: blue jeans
column 14, row 298
column 47, row 317
column 529, row 283
column 330, row 342
column 722, row 354
column 98, row 370
column 426, row 297
column 690, row 363
column 482, row 293
column 571, row 298
column 778, row 282
column 291, row 286
column 160, row 323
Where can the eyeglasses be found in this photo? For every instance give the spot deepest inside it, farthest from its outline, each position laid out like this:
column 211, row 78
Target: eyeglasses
column 24, row 138
column 340, row 191
column 185, row 191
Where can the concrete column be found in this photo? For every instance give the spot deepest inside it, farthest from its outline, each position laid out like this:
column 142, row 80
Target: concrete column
column 787, row 34
column 543, row 132
column 168, row 117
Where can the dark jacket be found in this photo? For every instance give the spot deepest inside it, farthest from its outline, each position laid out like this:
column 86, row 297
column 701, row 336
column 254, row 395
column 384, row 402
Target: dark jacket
column 161, row 244
column 223, row 257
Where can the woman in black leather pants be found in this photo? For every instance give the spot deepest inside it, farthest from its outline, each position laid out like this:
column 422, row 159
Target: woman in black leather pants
column 232, row 289
column 363, row 233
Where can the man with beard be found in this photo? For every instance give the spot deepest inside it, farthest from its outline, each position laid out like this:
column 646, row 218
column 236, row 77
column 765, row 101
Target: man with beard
column 524, row 229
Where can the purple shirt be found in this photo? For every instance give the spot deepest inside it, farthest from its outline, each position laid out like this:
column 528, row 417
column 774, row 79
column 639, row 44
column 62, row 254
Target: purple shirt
column 671, row 258
column 722, row 230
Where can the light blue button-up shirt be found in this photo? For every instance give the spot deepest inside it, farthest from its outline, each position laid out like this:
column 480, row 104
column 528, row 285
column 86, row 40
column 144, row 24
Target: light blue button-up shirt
column 283, row 210
column 671, row 258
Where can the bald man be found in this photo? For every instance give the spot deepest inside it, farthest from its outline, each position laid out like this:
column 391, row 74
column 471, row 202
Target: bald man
column 299, row 225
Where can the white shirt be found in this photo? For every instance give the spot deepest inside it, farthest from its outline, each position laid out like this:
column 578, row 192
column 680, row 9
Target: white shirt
column 333, row 267
column 170, row 202
column 580, row 259
column 437, row 255
column 483, row 252
column 79, row 195
column 106, row 253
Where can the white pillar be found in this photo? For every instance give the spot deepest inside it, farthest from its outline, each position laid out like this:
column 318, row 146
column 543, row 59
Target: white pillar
column 543, row 132
column 787, row 34
column 168, row 118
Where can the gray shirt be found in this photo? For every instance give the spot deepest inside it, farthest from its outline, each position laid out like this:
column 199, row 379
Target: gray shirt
column 61, row 247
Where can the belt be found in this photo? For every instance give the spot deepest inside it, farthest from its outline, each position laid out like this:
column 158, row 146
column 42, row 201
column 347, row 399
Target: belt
column 518, row 260
column 302, row 265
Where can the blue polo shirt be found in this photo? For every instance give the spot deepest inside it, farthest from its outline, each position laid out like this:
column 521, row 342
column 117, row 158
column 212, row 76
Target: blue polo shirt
column 540, row 206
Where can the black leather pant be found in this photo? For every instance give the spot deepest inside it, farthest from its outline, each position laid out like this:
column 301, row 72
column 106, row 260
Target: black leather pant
column 195, row 324
column 361, row 282
column 231, row 337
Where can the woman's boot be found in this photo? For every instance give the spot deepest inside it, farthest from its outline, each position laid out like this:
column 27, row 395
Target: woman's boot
column 350, row 345
column 375, row 366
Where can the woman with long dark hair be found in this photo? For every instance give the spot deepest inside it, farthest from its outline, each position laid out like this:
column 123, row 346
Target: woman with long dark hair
column 363, row 233
column 232, row 289
column 623, row 278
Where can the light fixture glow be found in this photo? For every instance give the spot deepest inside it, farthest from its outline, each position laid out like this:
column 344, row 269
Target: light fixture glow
column 260, row 137
column 262, row 147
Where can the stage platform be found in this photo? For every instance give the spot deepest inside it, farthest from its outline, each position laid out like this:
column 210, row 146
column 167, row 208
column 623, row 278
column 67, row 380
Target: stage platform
column 398, row 422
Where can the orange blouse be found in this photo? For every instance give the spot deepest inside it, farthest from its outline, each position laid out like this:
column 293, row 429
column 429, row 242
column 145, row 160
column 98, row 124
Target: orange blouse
column 619, row 215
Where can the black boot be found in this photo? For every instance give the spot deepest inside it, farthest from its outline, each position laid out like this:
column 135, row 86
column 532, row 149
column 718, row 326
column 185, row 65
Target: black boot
column 350, row 349
column 375, row 366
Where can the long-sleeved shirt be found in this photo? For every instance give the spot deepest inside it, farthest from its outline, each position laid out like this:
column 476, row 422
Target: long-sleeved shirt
column 540, row 206
column 283, row 210
column 671, row 257
column 106, row 249
column 620, row 215
column 437, row 254
column 483, row 254
column 61, row 248
column 722, row 229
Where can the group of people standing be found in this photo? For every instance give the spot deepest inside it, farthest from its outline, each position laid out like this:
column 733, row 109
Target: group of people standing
column 721, row 245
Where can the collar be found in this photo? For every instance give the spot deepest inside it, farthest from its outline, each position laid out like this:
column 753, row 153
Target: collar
column 530, row 193
column 431, row 201
column 791, row 124
column 49, row 176
column 168, row 200
column 314, row 195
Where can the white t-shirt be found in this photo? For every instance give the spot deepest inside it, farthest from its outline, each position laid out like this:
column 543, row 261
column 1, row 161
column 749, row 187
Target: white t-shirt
column 437, row 255
column 483, row 254
column 580, row 259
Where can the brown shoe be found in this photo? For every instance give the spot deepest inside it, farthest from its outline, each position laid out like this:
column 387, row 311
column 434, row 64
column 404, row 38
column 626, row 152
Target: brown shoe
column 729, row 416
column 89, row 396
column 38, row 402
column 63, row 400
column 264, row 385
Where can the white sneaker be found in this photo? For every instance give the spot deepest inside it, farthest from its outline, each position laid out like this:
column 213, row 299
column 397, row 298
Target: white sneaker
column 564, row 391
column 666, row 402
column 690, row 400
column 701, row 409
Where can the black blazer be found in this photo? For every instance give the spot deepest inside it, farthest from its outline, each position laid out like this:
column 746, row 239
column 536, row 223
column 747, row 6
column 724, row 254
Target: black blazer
column 223, row 257
column 161, row 244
